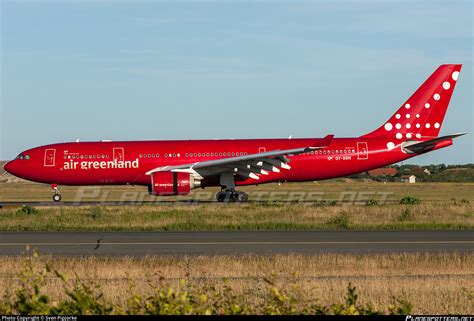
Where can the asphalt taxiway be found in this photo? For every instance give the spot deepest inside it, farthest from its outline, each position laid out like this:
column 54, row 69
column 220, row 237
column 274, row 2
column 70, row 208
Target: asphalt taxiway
column 244, row 242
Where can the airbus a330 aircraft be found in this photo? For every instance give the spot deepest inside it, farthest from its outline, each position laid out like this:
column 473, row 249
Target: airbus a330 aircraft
column 175, row 167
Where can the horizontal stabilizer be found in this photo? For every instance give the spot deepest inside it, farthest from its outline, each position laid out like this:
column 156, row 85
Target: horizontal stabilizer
column 426, row 146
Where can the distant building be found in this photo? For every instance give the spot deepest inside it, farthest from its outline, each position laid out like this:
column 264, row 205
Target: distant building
column 383, row 171
column 408, row 179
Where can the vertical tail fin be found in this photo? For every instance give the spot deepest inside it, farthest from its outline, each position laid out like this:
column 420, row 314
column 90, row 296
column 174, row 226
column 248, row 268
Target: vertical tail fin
column 422, row 114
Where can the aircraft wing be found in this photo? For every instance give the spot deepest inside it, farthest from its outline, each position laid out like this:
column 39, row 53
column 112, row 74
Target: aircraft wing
column 248, row 165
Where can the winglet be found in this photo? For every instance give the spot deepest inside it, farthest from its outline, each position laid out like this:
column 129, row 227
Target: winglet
column 323, row 142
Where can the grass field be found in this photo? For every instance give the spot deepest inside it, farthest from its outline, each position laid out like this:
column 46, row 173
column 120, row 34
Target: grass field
column 340, row 190
column 432, row 283
column 442, row 206
column 242, row 217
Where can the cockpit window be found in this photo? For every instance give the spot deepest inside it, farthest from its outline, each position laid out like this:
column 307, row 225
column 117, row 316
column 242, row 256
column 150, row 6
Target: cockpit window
column 21, row 156
column 27, row 156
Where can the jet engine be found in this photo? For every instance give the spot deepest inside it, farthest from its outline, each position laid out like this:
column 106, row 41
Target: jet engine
column 172, row 183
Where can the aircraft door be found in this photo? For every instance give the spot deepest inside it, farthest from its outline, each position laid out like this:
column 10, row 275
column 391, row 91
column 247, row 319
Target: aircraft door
column 362, row 150
column 118, row 154
column 49, row 157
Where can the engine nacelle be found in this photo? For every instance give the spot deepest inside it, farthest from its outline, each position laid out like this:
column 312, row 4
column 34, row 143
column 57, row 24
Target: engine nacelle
column 172, row 183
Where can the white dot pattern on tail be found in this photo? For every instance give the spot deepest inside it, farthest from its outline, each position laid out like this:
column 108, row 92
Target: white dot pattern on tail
column 455, row 75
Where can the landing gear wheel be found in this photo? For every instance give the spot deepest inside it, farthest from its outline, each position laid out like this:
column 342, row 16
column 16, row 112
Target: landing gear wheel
column 57, row 197
column 241, row 197
column 221, row 196
column 232, row 196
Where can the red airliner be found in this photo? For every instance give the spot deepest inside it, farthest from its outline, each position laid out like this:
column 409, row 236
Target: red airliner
column 174, row 167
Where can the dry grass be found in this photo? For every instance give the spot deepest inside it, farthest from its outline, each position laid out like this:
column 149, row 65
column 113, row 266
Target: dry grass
column 433, row 283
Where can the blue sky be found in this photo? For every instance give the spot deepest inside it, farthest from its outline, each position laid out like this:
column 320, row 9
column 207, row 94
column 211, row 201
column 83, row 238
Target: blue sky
column 126, row 70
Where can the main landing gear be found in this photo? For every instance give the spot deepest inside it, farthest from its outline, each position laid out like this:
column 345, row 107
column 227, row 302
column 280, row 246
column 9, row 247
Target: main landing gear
column 231, row 195
column 228, row 192
column 57, row 195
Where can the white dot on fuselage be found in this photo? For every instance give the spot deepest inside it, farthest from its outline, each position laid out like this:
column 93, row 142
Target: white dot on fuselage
column 418, row 135
column 388, row 127
column 446, row 85
column 390, row 145
column 427, row 105
column 399, row 136
column 436, row 96
column 427, row 125
column 408, row 135
column 407, row 115
column 408, row 126
column 397, row 116
column 436, row 125
column 407, row 106
column 398, row 126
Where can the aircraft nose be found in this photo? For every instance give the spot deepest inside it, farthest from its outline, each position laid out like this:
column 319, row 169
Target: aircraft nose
column 13, row 168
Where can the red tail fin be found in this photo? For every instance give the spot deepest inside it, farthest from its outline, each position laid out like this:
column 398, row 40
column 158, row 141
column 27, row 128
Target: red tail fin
column 422, row 114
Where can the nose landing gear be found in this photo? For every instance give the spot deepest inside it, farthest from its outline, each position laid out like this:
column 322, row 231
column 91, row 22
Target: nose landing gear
column 57, row 195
